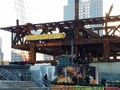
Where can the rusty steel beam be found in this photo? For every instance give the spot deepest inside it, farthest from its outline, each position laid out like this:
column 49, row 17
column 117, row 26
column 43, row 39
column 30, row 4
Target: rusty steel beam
column 32, row 53
column 90, row 21
column 59, row 44
column 52, row 44
column 76, row 9
column 106, row 49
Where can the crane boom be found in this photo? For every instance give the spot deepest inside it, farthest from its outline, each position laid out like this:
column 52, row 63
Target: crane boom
column 20, row 11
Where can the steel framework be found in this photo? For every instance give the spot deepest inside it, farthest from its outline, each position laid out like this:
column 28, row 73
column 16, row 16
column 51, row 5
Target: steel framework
column 91, row 46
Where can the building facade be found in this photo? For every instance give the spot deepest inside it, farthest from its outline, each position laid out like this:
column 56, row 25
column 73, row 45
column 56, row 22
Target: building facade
column 87, row 9
column 19, row 55
column 91, row 8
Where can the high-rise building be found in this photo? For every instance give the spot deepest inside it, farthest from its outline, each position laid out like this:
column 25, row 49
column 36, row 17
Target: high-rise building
column 87, row 9
column 69, row 12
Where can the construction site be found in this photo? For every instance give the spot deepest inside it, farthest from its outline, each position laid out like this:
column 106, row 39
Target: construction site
column 75, row 41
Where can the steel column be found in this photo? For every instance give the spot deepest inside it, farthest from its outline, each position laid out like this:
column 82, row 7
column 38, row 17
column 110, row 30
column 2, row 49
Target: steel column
column 32, row 53
column 76, row 28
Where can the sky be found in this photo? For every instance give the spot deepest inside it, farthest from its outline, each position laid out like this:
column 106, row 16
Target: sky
column 37, row 11
column 116, row 7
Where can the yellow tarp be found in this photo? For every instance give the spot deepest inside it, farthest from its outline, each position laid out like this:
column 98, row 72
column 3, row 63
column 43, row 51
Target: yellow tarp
column 45, row 36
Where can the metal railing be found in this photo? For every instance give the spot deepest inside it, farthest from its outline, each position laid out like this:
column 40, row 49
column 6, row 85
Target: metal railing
column 12, row 80
column 5, row 74
column 12, row 75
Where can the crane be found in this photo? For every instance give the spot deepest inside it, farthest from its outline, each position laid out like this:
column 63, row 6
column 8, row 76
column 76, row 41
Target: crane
column 20, row 11
column 21, row 18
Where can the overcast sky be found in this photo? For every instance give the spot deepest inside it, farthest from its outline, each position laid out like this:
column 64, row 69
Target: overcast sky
column 37, row 11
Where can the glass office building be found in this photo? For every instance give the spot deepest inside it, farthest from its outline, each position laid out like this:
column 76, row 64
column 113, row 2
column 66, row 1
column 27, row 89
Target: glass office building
column 87, row 9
